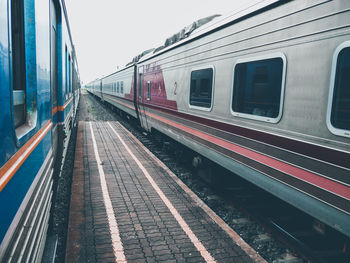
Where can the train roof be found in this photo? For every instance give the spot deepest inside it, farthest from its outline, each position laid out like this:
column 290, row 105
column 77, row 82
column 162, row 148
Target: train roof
column 219, row 22
column 216, row 23
column 74, row 55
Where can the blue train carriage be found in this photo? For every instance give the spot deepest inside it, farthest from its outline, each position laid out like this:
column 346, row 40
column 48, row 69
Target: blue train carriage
column 68, row 80
column 38, row 84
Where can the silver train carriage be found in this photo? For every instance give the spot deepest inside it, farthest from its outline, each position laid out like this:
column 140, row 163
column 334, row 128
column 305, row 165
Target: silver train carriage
column 264, row 92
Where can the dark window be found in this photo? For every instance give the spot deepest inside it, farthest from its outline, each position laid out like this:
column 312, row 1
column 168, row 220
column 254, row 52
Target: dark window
column 257, row 87
column 122, row 87
column 53, row 34
column 69, row 74
column 66, row 67
column 117, row 87
column 140, row 84
column 18, row 63
column 148, row 90
column 340, row 115
column 201, row 88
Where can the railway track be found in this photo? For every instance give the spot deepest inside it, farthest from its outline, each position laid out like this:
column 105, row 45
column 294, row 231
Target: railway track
column 278, row 231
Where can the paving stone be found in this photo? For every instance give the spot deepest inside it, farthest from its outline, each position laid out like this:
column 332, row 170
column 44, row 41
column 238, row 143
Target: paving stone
column 194, row 259
column 147, row 251
column 165, row 257
column 147, row 229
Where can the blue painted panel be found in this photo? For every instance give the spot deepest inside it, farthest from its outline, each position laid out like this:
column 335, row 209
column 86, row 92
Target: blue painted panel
column 37, row 52
column 13, row 194
column 63, row 114
column 7, row 148
column 54, row 118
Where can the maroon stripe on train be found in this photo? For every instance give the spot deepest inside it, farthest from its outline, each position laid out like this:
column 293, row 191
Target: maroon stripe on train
column 117, row 97
column 319, row 167
column 307, row 187
column 310, row 150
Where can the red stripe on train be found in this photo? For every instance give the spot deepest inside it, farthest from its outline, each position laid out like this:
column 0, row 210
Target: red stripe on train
column 324, row 183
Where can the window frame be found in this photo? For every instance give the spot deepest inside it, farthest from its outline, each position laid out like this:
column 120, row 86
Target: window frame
column 212, row 88
column 66, row 73
column 331, row 128
column 18, row 62
column 26, row 61
column 284, row 70
column 69, row 75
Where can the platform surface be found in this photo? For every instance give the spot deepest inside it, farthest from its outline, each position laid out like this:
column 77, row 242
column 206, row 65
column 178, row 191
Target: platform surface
column 126, row 206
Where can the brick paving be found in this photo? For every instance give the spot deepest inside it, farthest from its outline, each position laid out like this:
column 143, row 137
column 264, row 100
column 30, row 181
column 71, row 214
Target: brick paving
column 147, row 227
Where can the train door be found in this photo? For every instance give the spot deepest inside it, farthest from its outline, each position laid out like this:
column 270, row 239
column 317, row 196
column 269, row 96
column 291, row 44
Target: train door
column 141, row 107
column 135, row 93
column 53, row 35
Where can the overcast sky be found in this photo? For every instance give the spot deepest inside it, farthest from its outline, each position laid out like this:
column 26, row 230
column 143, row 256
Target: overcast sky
column 109, row 33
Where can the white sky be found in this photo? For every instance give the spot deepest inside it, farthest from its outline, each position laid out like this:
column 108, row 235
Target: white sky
column 109, row 33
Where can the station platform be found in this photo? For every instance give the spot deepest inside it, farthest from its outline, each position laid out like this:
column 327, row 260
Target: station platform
column 127, row 206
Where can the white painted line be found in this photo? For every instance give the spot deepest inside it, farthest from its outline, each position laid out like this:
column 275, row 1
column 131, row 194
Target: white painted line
column 234, row 236
column 117, row 244
column 199, row 246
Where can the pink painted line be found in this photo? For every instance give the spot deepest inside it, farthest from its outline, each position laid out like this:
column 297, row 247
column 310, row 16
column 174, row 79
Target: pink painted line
column 225, row 227
column 199, row 246
column 118, row 248
column 319, row 181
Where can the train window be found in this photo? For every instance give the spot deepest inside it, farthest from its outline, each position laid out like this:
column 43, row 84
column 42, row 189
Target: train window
column 66, row 68
column 338, row 118
column 18, row 64
column 140, row 81
column 258, row 87
column 201, row 88
column 140, row 85
column 148, row 90
column 69, row 75
column 118, row 87
column 24, row 100
column 121, row 87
